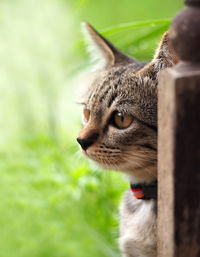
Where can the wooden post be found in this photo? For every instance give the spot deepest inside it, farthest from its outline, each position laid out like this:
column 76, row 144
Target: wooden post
column 179, row 141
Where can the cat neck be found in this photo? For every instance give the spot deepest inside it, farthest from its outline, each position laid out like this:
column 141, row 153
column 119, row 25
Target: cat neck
column 142, row 176
column 143, row 187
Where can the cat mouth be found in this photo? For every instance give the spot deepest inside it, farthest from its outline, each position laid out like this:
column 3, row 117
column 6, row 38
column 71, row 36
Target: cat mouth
column 107, row 162
column 118, row 162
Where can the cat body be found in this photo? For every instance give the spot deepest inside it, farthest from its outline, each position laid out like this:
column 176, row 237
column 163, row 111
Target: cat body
column 120, row 133
column 137, row 227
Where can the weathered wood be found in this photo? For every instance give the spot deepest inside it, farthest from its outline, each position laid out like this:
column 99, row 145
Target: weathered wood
column 179, row 141
column 185, row 34
column 179, row 163
column 166, row 106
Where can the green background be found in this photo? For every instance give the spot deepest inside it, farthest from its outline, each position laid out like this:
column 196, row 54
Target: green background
column 53, row 202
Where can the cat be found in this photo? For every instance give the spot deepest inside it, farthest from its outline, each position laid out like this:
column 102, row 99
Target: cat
column 120, row 133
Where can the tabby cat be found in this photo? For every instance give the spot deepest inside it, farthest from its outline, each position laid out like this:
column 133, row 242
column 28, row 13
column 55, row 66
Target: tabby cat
column 120, row 133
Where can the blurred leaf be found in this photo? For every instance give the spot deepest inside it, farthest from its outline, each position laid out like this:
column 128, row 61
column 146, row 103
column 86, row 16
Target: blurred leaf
column 133, row 25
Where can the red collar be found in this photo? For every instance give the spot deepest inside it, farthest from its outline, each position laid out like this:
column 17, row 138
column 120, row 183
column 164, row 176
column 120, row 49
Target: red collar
column 145, row 191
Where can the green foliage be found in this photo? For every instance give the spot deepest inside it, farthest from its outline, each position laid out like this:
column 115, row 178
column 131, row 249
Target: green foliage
column 53, row 206
column 54, row 203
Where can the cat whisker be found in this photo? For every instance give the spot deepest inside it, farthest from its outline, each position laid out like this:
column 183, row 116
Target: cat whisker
column 101, row 150
column 142, row 166
column 142, row 158
column 141, row 154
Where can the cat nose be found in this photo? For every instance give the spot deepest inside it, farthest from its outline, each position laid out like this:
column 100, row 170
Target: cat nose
column 86, row 142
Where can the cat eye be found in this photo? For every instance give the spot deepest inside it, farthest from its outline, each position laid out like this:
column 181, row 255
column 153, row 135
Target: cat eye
column 121, row 120
column 86, row 114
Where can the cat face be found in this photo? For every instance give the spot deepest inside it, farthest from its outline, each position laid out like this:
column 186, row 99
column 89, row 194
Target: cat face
column 120, row 112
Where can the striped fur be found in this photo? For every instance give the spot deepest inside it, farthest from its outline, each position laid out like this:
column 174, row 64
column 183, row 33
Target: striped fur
column 130, row 87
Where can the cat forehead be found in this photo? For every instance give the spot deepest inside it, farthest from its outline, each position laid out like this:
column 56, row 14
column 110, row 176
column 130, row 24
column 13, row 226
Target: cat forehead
column 121, row 87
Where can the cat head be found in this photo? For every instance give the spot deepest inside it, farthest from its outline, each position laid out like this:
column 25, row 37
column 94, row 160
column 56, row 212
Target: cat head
column 120, row 109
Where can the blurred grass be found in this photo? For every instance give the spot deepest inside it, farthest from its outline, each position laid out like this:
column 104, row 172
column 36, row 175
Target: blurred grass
column 53, row 202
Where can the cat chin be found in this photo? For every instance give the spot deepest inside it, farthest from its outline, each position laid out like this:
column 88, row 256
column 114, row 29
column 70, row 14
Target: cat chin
column 110, row 166
column 104, row 165
column 135, row 179
column 134, row 175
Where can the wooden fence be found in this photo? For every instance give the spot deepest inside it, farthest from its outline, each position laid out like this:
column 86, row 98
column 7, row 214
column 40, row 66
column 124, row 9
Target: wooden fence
column 179, row 141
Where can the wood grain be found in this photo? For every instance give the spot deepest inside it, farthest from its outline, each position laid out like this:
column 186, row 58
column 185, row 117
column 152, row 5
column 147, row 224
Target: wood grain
column 179, row 141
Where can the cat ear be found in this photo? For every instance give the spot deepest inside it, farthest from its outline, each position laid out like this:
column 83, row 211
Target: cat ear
column 164, row 57
column 102, row 50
